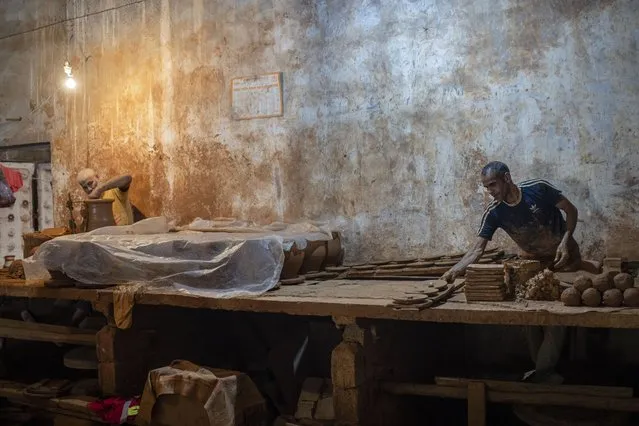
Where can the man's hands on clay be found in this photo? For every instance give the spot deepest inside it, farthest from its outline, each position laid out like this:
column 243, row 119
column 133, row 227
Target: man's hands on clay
column 96, row 193
column 469, row 258
column 562, row 256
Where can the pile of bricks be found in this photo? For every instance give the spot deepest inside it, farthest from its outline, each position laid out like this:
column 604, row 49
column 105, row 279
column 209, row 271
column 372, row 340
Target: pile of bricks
column 485, row 283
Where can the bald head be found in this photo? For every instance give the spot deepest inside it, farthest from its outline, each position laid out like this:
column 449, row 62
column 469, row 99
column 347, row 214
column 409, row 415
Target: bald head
column 88, row 180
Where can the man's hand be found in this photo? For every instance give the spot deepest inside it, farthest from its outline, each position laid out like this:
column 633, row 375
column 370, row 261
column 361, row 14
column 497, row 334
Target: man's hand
column 450, row 275
column 96, row 193
column 562, row 256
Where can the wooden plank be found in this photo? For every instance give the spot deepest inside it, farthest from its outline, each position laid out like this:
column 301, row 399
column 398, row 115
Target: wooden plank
column 505, row 386
column 323, row 300
column 508, row 313
column 557, row 399
column 46, row 333
column 476, row 404
column 71, row 293
column 75, row 406
column 425, row 390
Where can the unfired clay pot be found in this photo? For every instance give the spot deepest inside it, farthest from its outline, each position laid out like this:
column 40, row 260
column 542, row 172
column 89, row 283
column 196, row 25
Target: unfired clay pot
column 293, row 259
column 99, row 213
column 314, row 256
column 333, row 249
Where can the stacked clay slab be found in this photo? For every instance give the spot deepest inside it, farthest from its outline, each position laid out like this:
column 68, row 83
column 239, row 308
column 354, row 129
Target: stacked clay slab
column 485, row 283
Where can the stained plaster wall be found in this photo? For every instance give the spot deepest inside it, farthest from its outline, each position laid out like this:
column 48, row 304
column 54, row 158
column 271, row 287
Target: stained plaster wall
column 391, row 108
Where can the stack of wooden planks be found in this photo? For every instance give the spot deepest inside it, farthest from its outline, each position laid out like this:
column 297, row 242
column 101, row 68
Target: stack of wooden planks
column 485, row 283
column 420, row 268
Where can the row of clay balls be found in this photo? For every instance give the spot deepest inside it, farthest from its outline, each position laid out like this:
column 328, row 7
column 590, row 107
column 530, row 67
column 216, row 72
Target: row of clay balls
column 609, row 289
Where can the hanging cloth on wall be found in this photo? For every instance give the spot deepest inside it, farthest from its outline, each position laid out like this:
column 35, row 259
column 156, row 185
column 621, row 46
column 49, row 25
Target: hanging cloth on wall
column 12, row 178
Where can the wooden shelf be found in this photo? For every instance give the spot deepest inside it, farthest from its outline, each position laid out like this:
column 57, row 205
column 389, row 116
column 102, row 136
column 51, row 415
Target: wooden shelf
column 22, row 330
column 72, row 406
column 592, row 397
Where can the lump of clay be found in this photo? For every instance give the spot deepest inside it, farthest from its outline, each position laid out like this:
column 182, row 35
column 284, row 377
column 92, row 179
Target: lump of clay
column 582, row 283
column 571, row 297
column 543, row 286
column 623, row 281
column 631, row 297
column 591, row 297
column 601, row 282
column 613, row 297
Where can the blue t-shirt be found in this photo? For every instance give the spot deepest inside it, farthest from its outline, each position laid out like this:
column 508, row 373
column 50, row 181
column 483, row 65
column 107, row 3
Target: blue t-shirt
column 534, row 223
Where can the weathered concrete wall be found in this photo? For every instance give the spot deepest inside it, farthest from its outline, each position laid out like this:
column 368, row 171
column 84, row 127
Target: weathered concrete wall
column 391, row 108
column 28, row 86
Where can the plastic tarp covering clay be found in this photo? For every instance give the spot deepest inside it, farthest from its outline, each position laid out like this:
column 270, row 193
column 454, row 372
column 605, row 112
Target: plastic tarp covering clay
column 214, row 264
column 298, row 233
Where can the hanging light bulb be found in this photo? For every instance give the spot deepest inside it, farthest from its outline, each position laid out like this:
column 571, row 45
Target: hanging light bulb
column 70, row 81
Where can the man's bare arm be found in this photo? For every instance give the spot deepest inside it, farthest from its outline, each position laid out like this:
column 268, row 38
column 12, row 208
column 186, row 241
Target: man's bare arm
column 469, row 258
column 123, row 182
column 572, row 214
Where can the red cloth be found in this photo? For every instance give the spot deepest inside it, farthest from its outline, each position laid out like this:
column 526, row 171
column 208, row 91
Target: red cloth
column 112, row 410
column 13, row 178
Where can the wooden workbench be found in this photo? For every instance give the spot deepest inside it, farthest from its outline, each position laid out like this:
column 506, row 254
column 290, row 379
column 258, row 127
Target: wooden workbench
column 347, row 302
column 359, row 299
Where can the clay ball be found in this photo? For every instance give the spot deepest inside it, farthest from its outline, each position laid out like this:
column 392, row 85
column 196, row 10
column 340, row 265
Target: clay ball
column 591, row 297
column 582, row 283
column 601, row 282
column 571, row 297
column 613, row 297
column 631, row 297
column 623, row 281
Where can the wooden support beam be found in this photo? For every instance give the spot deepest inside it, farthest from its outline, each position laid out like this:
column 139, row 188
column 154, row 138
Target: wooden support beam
column 122, row 360
column 519, row 387
column 545, row 398
column 22, row 330
column 476, row 404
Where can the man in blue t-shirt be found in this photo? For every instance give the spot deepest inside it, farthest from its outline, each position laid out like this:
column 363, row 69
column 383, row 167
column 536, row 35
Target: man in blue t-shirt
column 530, row 213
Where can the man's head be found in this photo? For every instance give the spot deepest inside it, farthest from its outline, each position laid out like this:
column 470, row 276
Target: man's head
column 495, row 177
column 88, row 180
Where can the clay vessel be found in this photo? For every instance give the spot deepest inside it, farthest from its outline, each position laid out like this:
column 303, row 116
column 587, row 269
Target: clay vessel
column 8, row 260
column 314, row 256
column 98, row 214
column 293, row 259
column 333, row 250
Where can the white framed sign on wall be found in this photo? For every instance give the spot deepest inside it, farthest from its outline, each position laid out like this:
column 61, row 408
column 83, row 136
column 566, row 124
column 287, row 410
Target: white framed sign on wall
column 258, row 96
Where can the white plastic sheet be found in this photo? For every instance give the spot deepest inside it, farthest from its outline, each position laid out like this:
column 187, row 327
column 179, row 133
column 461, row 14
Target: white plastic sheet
column 212, row 264
column 299, row 233
column 215, row 263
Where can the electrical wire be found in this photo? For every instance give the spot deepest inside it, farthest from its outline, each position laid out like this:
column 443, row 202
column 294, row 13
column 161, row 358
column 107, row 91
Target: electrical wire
column 71, row 19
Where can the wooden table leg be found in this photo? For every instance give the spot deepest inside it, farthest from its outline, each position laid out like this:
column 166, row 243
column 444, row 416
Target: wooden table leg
column 476, row 404
column 122, row 360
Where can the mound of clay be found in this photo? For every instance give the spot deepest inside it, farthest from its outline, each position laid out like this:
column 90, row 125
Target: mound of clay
column 582, row 283
column 613, row 297
column 601, row 282
column 631, row 297
column 623, row 281
column 571, row 297
column 543, row 286
column 591, row 297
